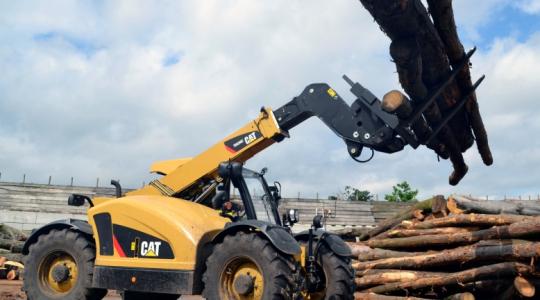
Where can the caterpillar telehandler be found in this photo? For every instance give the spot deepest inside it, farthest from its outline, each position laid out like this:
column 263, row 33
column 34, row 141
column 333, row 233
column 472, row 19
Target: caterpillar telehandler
column 186, row 234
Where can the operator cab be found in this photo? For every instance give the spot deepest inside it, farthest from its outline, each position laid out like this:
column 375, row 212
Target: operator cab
column 244, row 194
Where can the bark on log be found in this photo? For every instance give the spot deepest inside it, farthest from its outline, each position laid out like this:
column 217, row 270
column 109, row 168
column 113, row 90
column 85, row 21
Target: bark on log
column 459, row 255
column 373, row 296
column 10, row 233
column 8, row 244
column 501, row 270
column 469, row 220
column 398, row 218
column 18, row 257
column 515, row 230
column 399, row 233
column 470, row 205
column 407, row 56
column 389, row 276
column 358, row 249
column 443, row 19
column 375, row 254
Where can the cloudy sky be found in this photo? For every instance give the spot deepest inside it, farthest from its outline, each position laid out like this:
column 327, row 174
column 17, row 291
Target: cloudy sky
column 103, row 88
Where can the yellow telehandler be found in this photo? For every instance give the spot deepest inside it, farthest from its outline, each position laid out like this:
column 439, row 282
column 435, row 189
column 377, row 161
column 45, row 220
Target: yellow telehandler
column 185, row 233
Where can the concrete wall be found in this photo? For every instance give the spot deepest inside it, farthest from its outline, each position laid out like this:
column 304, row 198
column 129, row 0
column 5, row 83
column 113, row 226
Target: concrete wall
column 27, row 206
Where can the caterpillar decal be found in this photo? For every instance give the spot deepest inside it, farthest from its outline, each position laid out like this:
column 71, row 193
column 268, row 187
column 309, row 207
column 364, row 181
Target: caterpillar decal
column 133, row 243
column 239, row 142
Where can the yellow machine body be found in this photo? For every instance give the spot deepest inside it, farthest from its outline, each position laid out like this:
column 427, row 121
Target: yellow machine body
column 185, row 226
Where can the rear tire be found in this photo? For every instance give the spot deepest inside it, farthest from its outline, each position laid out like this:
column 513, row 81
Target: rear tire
column 264, row 272
column 66, row 256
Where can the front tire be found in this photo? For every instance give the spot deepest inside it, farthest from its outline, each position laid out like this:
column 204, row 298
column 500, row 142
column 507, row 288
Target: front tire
column 337, row 275
column 247, row 267
column 59, row 266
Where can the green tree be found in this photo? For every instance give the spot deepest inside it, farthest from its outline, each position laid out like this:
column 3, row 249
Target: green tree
column 354, row 194
column 402, row 192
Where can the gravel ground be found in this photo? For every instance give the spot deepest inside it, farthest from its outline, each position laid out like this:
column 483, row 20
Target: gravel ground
column 11, row 290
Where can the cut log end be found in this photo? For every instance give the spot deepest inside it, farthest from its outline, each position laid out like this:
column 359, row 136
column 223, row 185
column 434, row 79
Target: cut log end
column 524, row 287
column 12, row 275
column 395, row 101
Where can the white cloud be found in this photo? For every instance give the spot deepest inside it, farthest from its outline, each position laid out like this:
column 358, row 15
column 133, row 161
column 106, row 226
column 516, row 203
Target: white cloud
column 84, row 91
column 530, row 6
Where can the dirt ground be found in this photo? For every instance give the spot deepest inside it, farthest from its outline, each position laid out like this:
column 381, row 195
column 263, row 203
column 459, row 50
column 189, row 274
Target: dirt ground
column 11, row 290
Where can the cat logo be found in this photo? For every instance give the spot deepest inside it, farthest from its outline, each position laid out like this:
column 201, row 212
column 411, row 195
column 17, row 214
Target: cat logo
column 250, row 138
column 150, row 249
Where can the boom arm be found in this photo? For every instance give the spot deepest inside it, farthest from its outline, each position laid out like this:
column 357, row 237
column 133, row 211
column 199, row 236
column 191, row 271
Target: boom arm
column 363, row 124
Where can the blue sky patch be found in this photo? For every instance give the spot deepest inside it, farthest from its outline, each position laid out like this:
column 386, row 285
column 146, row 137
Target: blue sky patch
column 508, row 22
column 172, row 58
column 83, row 46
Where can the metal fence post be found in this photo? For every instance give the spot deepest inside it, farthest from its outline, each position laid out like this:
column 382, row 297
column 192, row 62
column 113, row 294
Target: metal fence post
column 50, row 179
column 71, row 184
column 24, row 178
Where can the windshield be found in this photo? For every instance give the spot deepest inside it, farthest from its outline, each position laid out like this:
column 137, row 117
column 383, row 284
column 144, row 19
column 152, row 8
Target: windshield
column 260, row 196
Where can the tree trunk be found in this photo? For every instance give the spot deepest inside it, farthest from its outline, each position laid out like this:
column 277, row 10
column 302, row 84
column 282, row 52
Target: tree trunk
column 469, row 205
column 457, row 256
column 515, row 230
column 389, row 276
column 507, row 269
column 18, row 257
column 8, row 244
column 443, row 18
column 470, row 220
column 375, row 254
column 399, row 233
column 398, row 218
column 10, row 233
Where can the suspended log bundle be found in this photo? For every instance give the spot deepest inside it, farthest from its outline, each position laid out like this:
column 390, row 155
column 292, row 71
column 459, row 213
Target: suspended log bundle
column 426, row 49
column 459, row 248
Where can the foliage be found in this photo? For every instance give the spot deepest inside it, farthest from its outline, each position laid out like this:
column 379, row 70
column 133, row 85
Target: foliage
column 354, row 194
column 402, row 192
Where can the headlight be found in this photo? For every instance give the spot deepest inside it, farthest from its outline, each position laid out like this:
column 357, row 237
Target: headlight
column 294, row 216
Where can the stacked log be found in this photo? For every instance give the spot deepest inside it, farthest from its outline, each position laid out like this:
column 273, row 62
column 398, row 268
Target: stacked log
column 455, row 248
column 11, row 243
column 426, row 50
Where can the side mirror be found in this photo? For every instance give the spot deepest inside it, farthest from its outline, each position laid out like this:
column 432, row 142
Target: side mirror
column 78, row 200
column 317, row 222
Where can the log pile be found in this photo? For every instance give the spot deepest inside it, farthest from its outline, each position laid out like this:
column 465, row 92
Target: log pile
column 426, row 48
column 455, row 248
column 11, row 243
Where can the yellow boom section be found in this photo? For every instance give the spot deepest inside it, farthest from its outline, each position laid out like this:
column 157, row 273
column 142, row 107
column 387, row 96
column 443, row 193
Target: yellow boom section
column 238, row 146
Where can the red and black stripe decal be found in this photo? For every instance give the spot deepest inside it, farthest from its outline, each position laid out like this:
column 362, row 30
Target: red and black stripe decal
column 118, row 247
